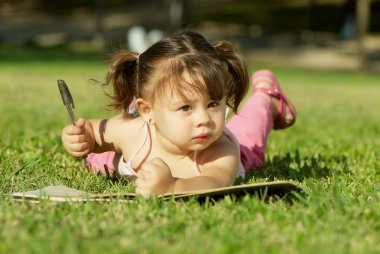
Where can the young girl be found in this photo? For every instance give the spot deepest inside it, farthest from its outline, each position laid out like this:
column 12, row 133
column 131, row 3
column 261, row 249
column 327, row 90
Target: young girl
column 179, row 140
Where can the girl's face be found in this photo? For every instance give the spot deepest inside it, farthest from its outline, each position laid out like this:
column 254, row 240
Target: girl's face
column 188, row 124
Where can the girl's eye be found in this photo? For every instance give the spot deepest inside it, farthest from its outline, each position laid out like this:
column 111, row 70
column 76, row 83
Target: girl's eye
column 213, row 104
column 185, row 108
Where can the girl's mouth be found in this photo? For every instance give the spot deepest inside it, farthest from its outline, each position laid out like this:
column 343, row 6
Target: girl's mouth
column 202, row 138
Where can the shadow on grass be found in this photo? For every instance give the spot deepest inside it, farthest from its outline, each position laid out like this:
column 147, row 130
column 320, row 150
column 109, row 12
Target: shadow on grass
column 292, row 166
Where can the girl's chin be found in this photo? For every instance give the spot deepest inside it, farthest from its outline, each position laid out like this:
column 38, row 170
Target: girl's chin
column 201, row 146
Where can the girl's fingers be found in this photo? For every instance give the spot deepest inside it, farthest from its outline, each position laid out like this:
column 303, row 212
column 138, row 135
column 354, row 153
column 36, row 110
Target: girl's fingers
column 142, row 191
column 73, row 130
column 78, row 154
column 81, row 123
column 78, row 147
column 138, row 183
column 75, row 139
column 139, row 178
column 141, row 175
column 141, row 187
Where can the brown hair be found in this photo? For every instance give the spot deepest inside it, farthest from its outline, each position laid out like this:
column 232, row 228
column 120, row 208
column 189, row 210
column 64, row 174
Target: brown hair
column 217, row 70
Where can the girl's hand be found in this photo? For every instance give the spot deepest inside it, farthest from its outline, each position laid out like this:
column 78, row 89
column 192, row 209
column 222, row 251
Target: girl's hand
column 74, row 139
column 154, row 178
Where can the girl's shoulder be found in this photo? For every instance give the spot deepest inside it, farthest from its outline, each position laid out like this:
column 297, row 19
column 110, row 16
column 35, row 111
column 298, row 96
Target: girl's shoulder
column 126, row 121
column 125, row 126
column 225, row 146
column 220, row 160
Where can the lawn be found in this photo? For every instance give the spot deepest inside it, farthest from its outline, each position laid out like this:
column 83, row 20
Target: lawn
column 333, row 152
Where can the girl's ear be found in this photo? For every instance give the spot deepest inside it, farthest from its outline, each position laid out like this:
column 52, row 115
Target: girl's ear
column 145, row 109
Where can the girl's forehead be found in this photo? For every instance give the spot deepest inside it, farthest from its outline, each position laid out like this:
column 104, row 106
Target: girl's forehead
column 182, row 95
column 183, row 85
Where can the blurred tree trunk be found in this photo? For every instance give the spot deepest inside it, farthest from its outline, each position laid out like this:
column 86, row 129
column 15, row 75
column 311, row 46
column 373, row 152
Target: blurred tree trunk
column 362, row 21
column 312, row 14
column 177, row 13
column 99, row 6
column 99, row 31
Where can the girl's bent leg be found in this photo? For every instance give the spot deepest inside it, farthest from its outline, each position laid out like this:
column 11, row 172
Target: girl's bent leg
column 251, row 126
column 98, row 162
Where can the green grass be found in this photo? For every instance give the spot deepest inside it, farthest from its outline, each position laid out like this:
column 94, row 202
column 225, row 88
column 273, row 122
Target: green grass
column 333, row 152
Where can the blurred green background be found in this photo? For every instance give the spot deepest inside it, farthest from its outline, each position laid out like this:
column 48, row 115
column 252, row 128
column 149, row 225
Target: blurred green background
column 334, row 34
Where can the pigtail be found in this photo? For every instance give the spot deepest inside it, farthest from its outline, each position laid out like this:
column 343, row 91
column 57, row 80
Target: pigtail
column 238, row 85
column 123, row 76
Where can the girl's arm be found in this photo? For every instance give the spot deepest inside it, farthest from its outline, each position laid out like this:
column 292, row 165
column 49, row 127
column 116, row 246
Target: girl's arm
column 105, row 134
column 219, row 169
column 96, row 135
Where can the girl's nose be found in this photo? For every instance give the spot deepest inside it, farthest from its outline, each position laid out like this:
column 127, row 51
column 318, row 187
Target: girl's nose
column 202, row 118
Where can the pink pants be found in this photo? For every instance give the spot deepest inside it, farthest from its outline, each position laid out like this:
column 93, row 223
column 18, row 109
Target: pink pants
column 98, row 162
column 251, row 126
